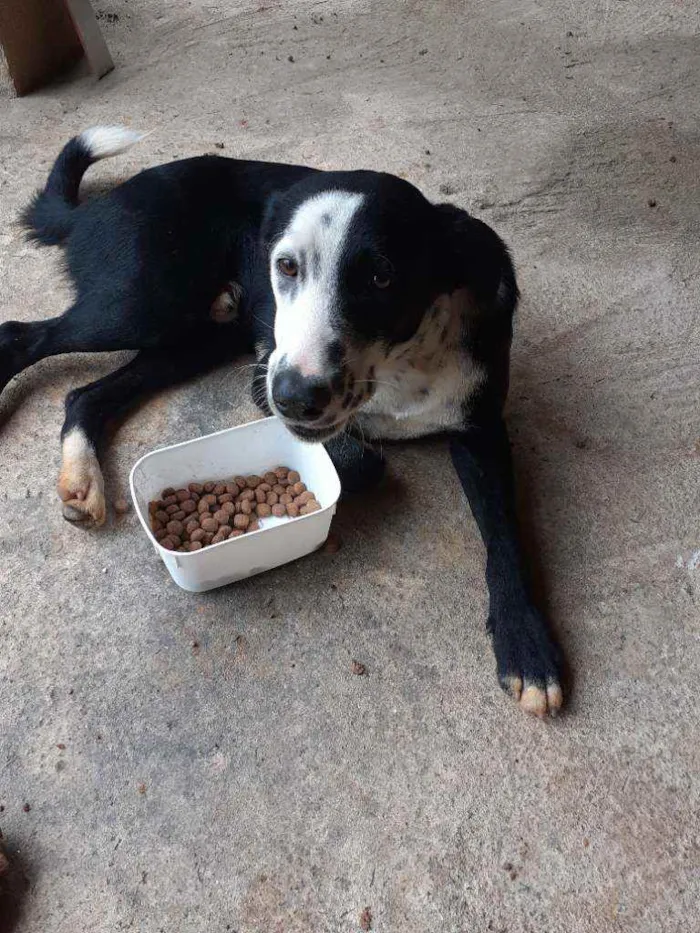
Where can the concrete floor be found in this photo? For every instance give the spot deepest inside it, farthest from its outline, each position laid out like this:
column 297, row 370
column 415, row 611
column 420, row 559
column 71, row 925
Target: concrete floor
column 253, row 783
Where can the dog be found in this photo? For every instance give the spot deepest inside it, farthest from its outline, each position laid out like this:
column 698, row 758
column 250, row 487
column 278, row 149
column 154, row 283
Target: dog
column 372, row 314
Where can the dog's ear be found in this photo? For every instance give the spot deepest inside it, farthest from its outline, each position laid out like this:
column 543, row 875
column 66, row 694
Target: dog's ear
column 473, row 255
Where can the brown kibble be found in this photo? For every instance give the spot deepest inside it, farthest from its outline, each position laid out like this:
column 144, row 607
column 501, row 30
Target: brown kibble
column 366, row 920
column 141, row 788
column 358, row 668
column 190, row 519
column 121, row 506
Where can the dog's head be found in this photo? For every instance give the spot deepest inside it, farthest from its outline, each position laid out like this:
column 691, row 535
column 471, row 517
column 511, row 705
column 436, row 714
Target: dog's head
column 355, row 262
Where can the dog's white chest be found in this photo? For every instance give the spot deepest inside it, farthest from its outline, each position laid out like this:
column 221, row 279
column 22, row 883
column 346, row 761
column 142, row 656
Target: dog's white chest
column 422, row 385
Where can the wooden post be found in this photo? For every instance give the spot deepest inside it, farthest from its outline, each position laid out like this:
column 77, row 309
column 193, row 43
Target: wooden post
column 41, row 39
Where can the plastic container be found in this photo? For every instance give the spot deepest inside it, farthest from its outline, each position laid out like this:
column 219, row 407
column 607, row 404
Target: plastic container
column 251, row 448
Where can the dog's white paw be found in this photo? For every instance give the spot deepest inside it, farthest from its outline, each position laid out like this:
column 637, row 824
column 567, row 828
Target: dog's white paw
column 80, row 484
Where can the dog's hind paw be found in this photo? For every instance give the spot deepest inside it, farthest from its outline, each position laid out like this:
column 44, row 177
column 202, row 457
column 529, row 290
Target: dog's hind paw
column 80, row 484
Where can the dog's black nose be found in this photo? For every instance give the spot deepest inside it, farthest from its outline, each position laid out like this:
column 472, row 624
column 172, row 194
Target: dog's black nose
column 298, row 398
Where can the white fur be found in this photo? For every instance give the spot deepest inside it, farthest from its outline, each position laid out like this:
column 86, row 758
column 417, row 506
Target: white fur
column 422, row 384
column 104, row 141
column 80, row 485
column 304, row 325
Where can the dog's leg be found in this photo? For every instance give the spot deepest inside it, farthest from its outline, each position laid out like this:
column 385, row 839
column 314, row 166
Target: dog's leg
column 22, row 344
column 359, row 467
column 527, row 658
column 84, row 328
column 91, row 408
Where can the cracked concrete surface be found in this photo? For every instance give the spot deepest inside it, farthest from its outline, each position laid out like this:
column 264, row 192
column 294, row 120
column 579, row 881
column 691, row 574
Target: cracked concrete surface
column 250, row 782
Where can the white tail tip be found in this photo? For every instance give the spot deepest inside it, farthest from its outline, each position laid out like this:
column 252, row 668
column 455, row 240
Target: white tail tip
column 104, row 141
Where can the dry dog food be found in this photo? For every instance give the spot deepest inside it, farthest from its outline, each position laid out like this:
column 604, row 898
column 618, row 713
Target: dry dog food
column 207, row 513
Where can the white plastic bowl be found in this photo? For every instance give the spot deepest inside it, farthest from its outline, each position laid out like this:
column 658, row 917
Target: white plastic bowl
column 251, row 448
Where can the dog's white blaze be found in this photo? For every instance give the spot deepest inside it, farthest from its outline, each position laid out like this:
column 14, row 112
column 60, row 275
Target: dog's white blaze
column 304, row 325
column 104, row 141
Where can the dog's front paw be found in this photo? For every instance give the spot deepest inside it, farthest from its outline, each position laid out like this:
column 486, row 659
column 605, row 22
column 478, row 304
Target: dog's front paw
column 80, row 485
column 528, row 660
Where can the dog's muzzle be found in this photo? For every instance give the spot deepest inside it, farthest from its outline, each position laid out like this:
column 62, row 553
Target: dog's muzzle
column 305, row 404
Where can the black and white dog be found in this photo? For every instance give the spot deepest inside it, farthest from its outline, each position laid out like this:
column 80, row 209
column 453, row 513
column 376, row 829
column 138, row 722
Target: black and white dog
column 372, row 314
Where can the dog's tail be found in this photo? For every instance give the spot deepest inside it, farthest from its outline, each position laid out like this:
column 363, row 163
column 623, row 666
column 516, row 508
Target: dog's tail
column 50, row 216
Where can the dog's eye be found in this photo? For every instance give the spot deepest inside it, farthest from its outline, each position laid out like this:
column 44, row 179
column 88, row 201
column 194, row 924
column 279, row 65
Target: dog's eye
column 287, row 266
column 381, row 280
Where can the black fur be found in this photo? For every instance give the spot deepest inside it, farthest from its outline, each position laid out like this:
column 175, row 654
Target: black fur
column 149, row 259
